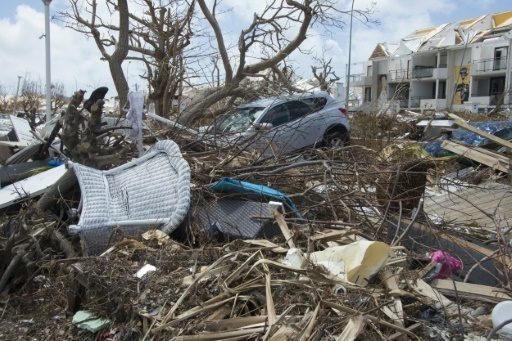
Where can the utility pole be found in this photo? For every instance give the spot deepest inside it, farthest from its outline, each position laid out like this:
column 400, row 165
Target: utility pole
column 48, row 65
column 16, row 97
column 349, row 55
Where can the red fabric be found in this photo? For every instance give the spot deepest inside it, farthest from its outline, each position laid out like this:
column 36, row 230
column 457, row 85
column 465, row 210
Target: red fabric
column 450, row 264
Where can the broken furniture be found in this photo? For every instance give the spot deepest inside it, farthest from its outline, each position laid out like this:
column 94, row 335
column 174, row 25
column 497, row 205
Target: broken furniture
column 151, row 192
column 231, row 219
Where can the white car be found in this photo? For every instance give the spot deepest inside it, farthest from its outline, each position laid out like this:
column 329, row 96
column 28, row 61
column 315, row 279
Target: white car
column 282, row 125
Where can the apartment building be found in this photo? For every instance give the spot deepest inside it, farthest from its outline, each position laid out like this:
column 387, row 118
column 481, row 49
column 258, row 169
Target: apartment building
column 464, row 65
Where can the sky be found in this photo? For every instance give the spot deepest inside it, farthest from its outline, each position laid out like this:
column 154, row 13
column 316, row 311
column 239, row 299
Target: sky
column 75, row 59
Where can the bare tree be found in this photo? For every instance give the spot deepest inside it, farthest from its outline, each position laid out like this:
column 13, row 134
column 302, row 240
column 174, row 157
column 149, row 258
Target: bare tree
column 324, row 74
column 30, row 99
column 102, row 32
column 5, row 101
column 160, row 36
column 157, row 37
column 266, row 35
column 59, row 99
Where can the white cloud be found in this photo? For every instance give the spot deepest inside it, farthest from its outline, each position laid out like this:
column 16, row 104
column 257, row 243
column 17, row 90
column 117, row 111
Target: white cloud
column 75, row 60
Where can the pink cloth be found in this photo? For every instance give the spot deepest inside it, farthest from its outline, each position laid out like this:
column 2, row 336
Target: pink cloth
column 450, row 264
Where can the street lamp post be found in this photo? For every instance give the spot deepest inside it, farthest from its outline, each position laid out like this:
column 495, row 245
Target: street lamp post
column 349, row 55
column 128, row 73
column 48, row 65
column 16, row 97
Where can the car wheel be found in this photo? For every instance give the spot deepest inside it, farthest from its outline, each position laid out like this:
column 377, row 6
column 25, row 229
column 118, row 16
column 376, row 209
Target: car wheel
column 335, row 139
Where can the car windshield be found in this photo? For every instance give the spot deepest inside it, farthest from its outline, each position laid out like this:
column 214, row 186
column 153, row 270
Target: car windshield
column 238, row 120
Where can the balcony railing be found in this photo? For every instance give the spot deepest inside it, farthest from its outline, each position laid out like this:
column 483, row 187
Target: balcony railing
column 400, row 74
column 490, row 64
column 487, row 93
column 416, row 101
column 404, row 103
column 356, row 78
column 423, row 72
column 353, row 104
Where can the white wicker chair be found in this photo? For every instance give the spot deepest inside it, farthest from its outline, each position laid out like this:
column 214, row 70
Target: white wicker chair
column 151, row 192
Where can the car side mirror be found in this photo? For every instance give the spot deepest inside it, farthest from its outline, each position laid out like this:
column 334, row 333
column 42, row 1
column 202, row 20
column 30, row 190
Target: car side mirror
column 264, row 126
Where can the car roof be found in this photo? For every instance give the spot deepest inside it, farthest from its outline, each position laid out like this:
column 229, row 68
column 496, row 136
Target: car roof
column 265, row 102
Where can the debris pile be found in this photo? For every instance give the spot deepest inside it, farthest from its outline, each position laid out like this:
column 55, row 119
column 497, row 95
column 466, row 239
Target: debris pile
column 338, row 243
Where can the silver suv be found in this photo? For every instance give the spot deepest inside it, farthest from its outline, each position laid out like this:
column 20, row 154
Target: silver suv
column 282, row 125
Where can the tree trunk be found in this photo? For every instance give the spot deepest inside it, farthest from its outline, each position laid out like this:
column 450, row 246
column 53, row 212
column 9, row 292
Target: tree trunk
column 116, row 59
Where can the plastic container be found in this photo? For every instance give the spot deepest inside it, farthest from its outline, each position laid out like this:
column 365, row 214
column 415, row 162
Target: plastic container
column 502, row 312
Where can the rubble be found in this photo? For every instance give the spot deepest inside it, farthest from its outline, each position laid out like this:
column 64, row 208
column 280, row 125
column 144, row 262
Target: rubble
column 263, row 268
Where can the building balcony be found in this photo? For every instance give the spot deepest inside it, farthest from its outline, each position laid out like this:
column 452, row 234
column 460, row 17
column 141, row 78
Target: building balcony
column 490, row 65
column 402, row 103
column 353, row 104
column 487, row 97
column 433, row 104
column 416, row 100
column 360, row 80
column 440, row 72
column 399, row 75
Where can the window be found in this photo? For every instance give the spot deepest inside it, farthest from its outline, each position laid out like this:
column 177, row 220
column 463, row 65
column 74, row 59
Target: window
column 277, row 115
column 315, row 103
column 298, row 109
column 239, row 119
column 497, row 87
column 441, row 91
column 368, row 94
column 500, row 58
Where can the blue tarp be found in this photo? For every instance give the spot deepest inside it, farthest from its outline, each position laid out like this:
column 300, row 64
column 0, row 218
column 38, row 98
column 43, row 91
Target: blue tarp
column 252, row 191
column 500, row 129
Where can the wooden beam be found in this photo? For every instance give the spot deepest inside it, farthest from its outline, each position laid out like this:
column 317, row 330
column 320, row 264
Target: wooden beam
column 421, row 287
column 471, row 291
column 284, row 228
column 494, row 162
column 395, row 310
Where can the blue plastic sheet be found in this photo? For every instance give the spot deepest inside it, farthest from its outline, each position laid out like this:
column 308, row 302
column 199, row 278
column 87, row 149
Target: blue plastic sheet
column 252, row 191
column 502, row 130
column 434, row 147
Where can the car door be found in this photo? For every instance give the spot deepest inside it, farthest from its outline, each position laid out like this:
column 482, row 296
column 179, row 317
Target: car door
column 274, row 140
column 306, row 125
column 292, row 127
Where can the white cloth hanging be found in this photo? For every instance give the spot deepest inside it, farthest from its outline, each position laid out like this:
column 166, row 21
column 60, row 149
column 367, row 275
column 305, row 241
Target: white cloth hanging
column 134, row 114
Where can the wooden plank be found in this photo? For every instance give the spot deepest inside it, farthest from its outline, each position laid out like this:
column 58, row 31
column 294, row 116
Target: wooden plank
column 284, row 228
column 463, row 124
column 491, row 153
column 471, row 291
column 421, row 287
column 332, row 235
column 470, row 153
column 395, row 310
column 398, row 334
